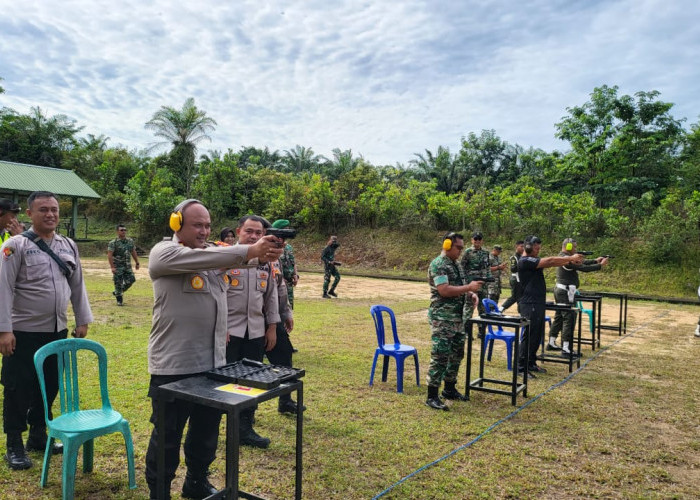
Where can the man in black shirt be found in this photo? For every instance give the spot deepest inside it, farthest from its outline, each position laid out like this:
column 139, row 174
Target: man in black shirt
column 532, row 301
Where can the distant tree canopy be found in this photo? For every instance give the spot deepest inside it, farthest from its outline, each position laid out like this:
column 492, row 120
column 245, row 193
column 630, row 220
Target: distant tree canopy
column 631, row 170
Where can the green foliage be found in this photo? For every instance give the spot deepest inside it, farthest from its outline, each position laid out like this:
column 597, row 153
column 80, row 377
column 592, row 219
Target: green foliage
column 36, row 138
column 150, row 197
column 622, row 146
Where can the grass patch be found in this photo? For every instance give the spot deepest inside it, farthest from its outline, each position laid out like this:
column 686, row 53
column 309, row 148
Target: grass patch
column 624, row 427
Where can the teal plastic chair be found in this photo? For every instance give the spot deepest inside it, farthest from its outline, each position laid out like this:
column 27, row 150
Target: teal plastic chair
column 589, row 312
column 75, row 427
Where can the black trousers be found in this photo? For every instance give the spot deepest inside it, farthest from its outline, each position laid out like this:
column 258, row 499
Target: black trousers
column 281, row 354
column 532, row 339
column 200, row 441
column 22, row 401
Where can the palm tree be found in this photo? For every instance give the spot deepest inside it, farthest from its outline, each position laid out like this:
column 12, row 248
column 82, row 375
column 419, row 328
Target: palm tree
column 183, row 129
column 301, row 159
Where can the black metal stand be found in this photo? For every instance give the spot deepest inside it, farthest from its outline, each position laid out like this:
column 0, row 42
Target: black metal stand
column 595, row 300
column 478, row 384
column 202, row 390
column 552, row 358
column 621, row 326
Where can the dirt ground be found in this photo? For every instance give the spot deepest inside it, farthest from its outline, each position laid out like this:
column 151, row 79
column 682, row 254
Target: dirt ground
column 350, row 287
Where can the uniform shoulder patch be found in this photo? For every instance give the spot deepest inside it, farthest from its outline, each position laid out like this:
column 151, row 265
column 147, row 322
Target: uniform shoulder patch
column 7, row 252
column 440, row 280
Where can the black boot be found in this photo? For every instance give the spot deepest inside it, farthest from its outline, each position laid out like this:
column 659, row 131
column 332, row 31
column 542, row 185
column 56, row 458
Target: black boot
column 197, row 486
column 332, row 293
column 434, row 400
column 16, row 456
column 37, row 441
column 248, row 435
column 451, row 392
column 288, row 405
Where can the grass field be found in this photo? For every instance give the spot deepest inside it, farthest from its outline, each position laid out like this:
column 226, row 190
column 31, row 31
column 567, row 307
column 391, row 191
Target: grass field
column 625, row 426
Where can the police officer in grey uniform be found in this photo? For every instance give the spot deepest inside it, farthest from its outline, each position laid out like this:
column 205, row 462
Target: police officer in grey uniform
column 281, row 354
column 565, row 293
column 34, row 295
column 252, row 316
column 9, row 225
column 188, row 336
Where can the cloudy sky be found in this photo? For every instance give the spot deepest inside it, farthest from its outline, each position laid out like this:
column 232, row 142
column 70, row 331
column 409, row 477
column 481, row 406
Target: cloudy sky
column 386, row 79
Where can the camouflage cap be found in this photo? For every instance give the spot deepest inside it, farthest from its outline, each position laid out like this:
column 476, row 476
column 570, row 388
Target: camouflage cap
column 498, row 247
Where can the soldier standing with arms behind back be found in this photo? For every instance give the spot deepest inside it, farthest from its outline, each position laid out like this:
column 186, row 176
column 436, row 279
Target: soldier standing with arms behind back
column 446, row 314
column 35, row 289
column 476, row 264
column 515, row 289
column 497, row 267
column 330, row 267
column 565, row 293
column 119, row 253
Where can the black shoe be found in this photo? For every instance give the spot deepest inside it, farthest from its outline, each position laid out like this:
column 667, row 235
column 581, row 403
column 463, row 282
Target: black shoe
column 251, row 438
column 120, row 299
column 567, row 354
column 326, row 296
column 37, row 442
column 553, row 347
column 530, row 375
column 294, row 349
column 536, row 369
column 453, row 394
column 436, row 404
column 197, row 488
column 289, row 406
column 333, row 294
column 16, row 456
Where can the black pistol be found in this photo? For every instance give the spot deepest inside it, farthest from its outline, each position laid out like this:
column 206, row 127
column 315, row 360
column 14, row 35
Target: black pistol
column 479, row 278
column 286, row 233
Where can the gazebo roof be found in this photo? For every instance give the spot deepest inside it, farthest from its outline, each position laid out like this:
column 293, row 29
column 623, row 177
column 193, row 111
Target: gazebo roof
column 22, row 179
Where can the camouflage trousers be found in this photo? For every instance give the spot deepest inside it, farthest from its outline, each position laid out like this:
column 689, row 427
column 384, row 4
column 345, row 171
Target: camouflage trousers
column 123, row 278
column 564, row 321
column 494, row 291
column 446, row 352
column 328, row 272
column 290, row 295
column 469, row 307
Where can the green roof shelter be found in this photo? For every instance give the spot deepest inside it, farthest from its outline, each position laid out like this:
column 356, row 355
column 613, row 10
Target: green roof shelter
column 18, row 181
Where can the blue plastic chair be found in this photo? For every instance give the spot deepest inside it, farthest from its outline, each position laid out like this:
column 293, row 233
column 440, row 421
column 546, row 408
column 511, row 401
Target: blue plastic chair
column 397, row 350
column 589, row 312
column 76, row 427
column 491, row 306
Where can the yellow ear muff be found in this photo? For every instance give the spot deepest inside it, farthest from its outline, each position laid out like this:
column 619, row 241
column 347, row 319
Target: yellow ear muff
column 447, row 244
column 176, row 221
column 569, row 247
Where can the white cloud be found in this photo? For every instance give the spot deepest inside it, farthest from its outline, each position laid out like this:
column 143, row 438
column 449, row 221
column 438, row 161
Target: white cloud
column 385, row 79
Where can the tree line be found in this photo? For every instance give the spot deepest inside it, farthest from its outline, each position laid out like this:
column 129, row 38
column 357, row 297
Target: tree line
column 631, row 173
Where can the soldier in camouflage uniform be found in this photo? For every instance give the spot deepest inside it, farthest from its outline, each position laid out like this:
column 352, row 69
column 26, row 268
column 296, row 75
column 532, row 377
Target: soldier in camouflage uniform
column 476, row 264
column 446, row 316
column 514, row 281
column 330, row 267
column 497, row 266
column 119, row 252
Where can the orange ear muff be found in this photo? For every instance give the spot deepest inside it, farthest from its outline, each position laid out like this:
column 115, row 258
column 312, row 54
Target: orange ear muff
column 569, row 247
column 176, row 221
column 447, row 244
